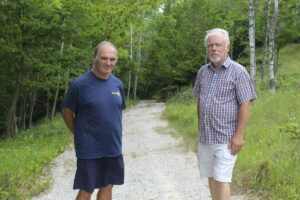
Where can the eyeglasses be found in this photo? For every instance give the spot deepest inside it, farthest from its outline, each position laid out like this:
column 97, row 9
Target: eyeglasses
column 108, row 59
column 218, row 45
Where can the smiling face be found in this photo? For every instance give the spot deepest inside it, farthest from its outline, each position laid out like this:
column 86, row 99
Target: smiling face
column 217, row 48
column 105, row 61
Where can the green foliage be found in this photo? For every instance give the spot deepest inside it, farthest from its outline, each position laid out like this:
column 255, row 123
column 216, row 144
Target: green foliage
column 292, row 130
column 185, row 96
column 270, row 155
column 181, row 114
column 51, row 42
column 131, row 102
column 289, row 68
column 182, row 118
column 24, row 158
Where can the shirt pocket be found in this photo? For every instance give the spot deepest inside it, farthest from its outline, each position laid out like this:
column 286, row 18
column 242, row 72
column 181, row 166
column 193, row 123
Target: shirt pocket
column 226, row 90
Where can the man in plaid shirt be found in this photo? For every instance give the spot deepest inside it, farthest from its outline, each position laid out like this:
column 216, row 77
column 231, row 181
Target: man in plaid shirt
column 224, row 94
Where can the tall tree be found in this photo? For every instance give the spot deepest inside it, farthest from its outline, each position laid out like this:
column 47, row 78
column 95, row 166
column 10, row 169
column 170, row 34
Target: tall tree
column 252, row 41
column 138, row 66
column 130, row 67
column 272, row 47
column 265, row 47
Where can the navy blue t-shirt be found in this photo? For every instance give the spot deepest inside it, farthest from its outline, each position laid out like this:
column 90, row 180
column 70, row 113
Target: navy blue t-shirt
column 98, row 106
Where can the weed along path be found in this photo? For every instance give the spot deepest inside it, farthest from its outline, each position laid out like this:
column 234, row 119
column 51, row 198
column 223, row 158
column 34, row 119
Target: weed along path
column 157, row 166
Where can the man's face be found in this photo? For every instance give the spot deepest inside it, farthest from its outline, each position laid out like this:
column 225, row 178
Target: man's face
column 107, row 59
column 217, row 49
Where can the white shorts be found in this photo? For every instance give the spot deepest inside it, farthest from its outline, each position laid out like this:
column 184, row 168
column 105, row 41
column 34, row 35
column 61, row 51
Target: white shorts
column 216, row 161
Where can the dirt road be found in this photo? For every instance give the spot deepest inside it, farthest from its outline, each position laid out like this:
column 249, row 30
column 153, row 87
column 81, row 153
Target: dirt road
column 157, row 166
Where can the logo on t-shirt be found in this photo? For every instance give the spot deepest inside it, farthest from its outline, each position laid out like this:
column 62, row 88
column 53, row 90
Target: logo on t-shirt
column 116, row 93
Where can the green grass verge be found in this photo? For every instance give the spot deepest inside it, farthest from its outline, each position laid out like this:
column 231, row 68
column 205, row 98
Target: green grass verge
column 182, row 119
column 25, row 157
column 269, row 163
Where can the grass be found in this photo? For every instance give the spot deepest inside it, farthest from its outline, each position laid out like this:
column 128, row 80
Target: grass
column 269, row 163
column 131, row 102
column 25, row 157
column 182, row 117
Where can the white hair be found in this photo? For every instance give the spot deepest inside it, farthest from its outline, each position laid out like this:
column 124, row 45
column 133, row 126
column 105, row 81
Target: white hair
column 217, row 30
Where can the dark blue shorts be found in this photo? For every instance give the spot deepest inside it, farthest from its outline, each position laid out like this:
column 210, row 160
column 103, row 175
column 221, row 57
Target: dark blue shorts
column 96, row 173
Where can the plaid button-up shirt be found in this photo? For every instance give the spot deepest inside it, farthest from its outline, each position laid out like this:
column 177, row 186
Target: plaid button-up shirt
column 221, row 91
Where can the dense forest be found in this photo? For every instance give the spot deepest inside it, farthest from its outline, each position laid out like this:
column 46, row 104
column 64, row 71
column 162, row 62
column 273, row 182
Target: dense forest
column 45, row 44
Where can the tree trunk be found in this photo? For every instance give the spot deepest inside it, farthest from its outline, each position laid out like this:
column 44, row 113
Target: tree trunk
column 252, row 42
column 67, row 81
column 272, row 48
column 137, row 70
column 129, row 76
column 48, row 103
column 32, row 103
column 11, row 124
column 54, row 101
column 276, row 59
column 262, row 69
column 58, row 80
column 23, row 112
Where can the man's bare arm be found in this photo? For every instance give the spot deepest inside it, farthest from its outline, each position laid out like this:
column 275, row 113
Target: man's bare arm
column 237, row 140
column 198, row 112
column 69, row 118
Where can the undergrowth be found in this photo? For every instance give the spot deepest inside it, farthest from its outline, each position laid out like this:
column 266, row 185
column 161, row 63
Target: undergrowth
column 25, row 157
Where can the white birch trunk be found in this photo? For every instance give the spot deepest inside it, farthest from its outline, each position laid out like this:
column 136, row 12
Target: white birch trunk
column 262, row 69
column 67, row 81
column 252, row 41
column 129, row 76
column 272, row 48
column 137, row 70
column 32, row 103
column 58, row 83
column 55, row 98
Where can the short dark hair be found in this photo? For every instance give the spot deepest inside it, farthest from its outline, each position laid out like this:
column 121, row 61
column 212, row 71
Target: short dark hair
column 101, row 44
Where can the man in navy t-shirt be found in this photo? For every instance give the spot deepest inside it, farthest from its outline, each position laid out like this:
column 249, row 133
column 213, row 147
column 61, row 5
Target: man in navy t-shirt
column 92, row 110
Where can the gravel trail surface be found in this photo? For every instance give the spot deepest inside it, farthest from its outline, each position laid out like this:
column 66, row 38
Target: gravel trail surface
column 157, row 166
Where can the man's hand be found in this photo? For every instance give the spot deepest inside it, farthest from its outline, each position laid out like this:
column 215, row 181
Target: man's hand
column 236, row 143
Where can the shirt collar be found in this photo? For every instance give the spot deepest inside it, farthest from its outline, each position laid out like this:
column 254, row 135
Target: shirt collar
column 226, row 63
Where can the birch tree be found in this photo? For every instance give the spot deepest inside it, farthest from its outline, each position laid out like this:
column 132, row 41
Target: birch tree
column 252, row 41
column 138, row 66
column 272, row 47
column 267, row 13
column 129, row 75
column 11, row 123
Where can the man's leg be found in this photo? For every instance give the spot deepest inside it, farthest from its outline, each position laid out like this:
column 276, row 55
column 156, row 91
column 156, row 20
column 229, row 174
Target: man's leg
column 83, row 195
column 223, row 168
column 105, row 193
column 211, row 187
column 221, row 191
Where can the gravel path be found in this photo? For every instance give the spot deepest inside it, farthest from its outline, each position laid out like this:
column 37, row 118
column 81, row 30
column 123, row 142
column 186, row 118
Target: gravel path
column 157, row 166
